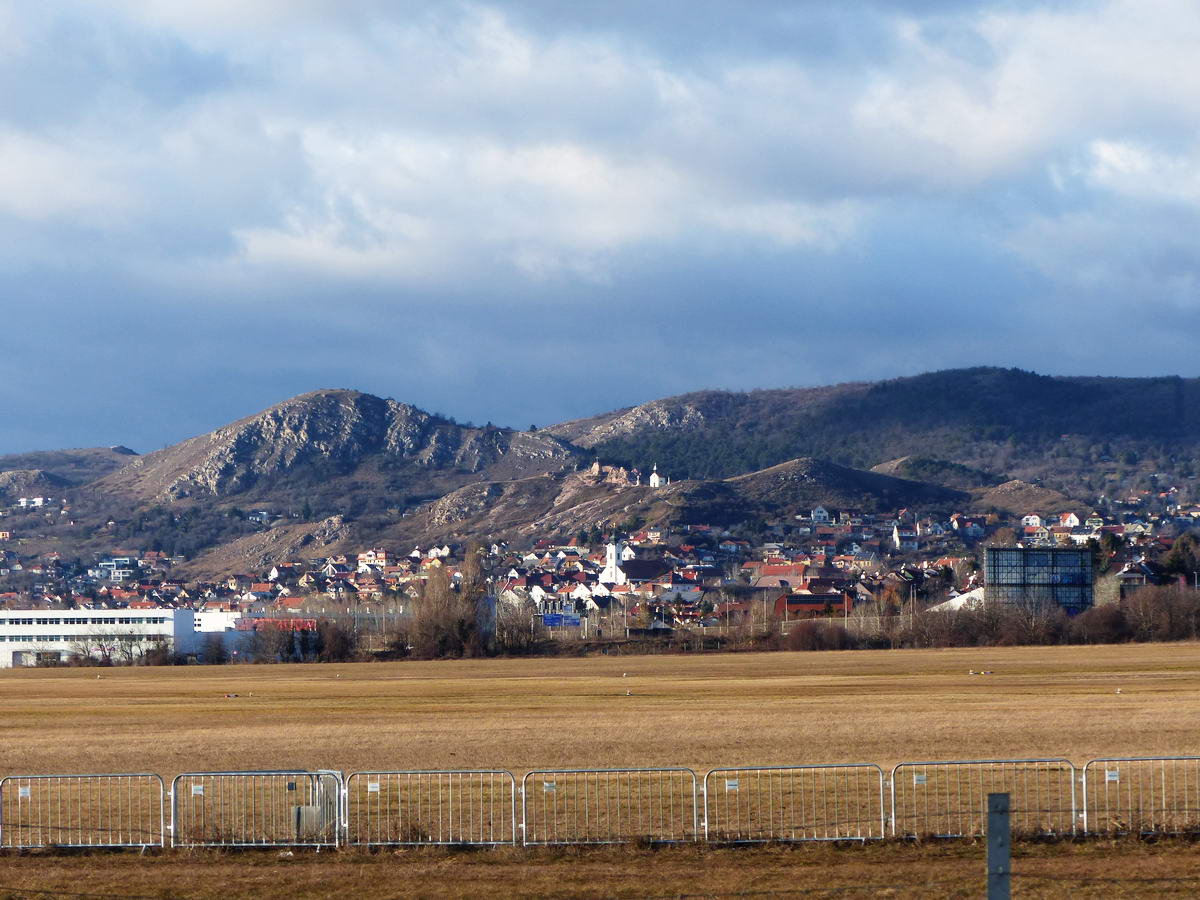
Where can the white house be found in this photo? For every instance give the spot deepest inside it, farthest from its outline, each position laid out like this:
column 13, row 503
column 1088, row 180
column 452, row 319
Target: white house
column 30, row 636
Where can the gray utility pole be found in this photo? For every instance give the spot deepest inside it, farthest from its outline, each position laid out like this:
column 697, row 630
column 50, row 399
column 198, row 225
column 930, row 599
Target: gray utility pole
column 999, row 843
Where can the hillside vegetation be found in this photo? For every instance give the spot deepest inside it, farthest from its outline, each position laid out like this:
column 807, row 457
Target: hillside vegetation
column 1026, row 425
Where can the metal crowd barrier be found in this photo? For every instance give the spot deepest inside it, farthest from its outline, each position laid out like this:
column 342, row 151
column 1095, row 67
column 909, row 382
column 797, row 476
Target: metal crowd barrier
column 607, row 806
column 598, row 806
column 431, row 807
column 794, row 803
column 949, row 799
column 81, row 811
column 256, row 809
column 1142, row 794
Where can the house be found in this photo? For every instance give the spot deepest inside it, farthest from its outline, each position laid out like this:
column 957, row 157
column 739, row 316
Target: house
column 904, row 539
column 373, row 557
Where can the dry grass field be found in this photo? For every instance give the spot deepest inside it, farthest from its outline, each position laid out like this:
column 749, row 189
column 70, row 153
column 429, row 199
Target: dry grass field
column 698, row 711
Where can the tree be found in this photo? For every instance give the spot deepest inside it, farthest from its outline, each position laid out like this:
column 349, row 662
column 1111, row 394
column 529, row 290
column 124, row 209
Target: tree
column 334, row 643
column 1003, row 537
column 213, row 650
column 445, row 620
column 1184, row 556
column 516, row 632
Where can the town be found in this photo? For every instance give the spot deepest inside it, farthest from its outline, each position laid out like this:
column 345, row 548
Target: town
column 599, row 585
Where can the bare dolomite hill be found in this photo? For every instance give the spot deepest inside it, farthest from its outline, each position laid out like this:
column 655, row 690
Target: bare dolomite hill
column 330, row 435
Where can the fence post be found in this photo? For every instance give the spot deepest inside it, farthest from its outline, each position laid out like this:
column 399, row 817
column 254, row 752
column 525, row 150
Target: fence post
column 999, row 861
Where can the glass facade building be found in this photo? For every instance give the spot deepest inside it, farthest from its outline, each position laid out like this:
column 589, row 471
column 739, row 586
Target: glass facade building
column 1035, row 577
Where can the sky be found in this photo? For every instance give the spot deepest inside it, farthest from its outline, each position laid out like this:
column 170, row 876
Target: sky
column 526, row 212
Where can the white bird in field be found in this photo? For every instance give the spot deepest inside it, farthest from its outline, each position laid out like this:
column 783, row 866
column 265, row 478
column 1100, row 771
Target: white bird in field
column 1118, row 690
column 623, row 675
column 629, row 693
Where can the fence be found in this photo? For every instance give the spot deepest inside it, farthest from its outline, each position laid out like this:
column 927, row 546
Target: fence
column 1142, row 794
column 256, row 809
column 607, row 806
column 794, row 803
column 81, row 811
column 949, row 799
column 429, row 807
column 598, row 806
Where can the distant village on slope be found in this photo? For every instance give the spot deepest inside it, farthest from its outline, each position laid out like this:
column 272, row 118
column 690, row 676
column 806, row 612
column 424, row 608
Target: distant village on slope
column 822, row 563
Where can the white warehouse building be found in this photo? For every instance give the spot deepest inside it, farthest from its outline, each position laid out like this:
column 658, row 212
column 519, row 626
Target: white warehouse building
column 32, row 636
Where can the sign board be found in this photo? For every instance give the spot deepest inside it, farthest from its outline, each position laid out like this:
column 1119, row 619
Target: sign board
column 570, row 621
column 25, row 792
column 919, row 779
column 197, row 790
column 549, row 787
column 552, row 620
column 731, row 784
column 1112, row 775
column 372, row 787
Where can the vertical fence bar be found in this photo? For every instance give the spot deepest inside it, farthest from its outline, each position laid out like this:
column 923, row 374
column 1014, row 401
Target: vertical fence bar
column 999, row 841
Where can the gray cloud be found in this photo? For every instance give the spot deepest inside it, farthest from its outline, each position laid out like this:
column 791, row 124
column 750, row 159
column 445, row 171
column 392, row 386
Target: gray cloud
column 528, row 211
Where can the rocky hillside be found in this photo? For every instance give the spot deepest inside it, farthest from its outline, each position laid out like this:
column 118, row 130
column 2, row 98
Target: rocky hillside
column 17, row 483
column 70, row 467
column 567, row 502
column 305, row 444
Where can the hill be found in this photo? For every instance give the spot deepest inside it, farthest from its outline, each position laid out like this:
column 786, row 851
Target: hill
column 1020, row 497
column 801, row 484
column 336, row 469
column 567, row 502
column 70, row 467
column 332, row 449
column 19, row 483
column 1030, row 426
column 938, row 471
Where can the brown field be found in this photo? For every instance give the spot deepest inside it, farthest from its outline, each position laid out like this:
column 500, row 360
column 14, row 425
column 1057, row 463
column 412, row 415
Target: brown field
column 697, row 711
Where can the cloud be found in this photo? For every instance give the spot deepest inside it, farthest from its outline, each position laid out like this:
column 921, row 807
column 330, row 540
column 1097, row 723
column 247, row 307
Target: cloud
column 447, row 201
